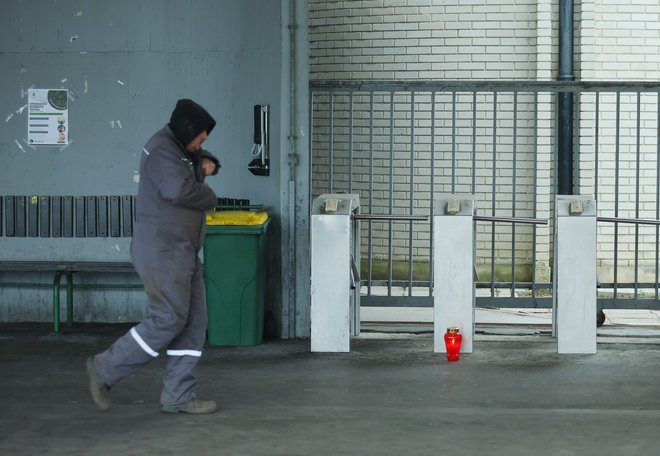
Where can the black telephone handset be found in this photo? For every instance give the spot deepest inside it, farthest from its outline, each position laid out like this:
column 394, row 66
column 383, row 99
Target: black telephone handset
column 257, row 124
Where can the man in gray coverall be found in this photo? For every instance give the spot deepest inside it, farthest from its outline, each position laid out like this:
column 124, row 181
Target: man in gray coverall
column 169, row 232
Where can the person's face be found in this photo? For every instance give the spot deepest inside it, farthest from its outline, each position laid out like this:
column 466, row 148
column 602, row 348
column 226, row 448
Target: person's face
column 196, row 143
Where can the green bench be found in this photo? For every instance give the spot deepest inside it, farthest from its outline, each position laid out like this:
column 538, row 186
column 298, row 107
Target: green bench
column 67, row 268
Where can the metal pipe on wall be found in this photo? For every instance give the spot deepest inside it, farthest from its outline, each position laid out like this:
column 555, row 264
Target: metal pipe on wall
column 292, row 161
column 565, row 101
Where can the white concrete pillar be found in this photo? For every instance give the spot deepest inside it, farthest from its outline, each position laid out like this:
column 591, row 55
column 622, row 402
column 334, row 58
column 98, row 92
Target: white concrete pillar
column 574, row 296
column 453, row 269
column 331, row 247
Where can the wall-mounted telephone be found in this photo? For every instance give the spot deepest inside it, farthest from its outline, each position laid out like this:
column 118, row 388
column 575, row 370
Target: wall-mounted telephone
column 260, row 164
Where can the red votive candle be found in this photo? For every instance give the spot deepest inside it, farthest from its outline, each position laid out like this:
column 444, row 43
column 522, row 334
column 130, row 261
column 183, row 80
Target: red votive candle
column 453, row 340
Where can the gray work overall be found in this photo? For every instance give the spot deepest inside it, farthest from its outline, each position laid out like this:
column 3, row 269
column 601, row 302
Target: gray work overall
column 168, row 235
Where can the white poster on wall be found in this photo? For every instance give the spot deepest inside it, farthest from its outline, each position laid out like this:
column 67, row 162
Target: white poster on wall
column 48, row 117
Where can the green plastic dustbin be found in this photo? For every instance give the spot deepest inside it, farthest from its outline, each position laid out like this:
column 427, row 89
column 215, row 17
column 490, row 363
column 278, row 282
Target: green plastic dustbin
column 235, row 276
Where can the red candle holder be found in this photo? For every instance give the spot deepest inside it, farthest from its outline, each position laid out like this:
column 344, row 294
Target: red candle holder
column 453, row 339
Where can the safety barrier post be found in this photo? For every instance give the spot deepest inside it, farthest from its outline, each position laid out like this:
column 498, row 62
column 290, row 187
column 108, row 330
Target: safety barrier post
column 574, row 296
column 335, row 286
column 453, row 273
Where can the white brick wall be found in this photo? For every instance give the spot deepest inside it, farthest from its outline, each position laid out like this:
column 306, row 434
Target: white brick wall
column 391, row 39
column 487, row 39
column 627, row 39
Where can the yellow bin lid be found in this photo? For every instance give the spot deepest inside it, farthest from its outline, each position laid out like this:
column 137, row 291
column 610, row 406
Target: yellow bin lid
column 236, row 218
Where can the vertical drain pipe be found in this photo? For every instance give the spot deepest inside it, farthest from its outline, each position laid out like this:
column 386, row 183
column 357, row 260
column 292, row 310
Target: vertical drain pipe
column 292, row 162
column 565, row 101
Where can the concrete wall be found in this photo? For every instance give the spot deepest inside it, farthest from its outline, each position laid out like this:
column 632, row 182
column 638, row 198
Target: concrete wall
column 125, row 63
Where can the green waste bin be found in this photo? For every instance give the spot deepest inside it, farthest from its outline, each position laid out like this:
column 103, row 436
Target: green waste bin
column 235, row 276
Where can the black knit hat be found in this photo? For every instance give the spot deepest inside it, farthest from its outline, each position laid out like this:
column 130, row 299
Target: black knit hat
column 188, row 120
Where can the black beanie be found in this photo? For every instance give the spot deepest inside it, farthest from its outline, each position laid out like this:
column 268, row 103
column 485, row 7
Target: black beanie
column 188, row 120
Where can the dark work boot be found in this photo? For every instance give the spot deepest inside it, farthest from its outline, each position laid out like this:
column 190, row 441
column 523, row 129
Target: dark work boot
column 99, row 390
column 193, row 406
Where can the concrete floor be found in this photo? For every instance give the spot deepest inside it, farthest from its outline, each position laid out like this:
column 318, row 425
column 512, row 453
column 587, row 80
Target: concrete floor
column 387, row 397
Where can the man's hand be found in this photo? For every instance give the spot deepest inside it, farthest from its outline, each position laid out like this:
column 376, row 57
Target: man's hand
column 208, row 166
